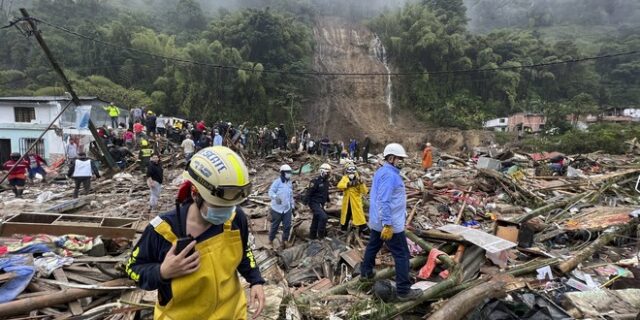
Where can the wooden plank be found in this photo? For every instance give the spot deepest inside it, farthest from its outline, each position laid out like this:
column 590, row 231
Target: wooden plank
column 134, row 296
column 60, row 224
column 80, row 278
column 99, row 259
column 74, row 306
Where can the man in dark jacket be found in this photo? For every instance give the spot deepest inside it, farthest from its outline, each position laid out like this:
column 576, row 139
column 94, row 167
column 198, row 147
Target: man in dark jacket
column 150, row 123
column 282, row 137
column 154, row 181
column 317, row 196
column 81, row 170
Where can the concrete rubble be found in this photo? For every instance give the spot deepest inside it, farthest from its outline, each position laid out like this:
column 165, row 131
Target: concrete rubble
column 518, row 238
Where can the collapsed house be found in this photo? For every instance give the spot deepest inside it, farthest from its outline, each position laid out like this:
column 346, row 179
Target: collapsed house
column 499, row 236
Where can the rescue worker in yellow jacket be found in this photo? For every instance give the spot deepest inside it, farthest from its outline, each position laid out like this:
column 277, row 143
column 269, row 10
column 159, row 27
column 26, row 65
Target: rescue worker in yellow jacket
column 113, row 113
column 193, row 255
column 146, row 151
column 354, row 189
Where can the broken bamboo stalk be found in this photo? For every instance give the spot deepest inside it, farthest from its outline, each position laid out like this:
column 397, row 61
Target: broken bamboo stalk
column 444, row 258
column 515, row 272
column 380, row 274
column 607, row 236
column 459, row 306
column 500, row 177
column 454, row 279
column 544, row 209
column 23, row 306
column 438, row 235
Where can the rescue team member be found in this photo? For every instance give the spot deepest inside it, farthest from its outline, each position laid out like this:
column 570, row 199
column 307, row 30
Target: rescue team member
column 317, row 196
column 387, row 218
column 201, row 282
column 354, row 189
column 145, row 153
column 113, row 112
column 282, row 205
column 18, row 176
column 35, row 166
column 81, row 170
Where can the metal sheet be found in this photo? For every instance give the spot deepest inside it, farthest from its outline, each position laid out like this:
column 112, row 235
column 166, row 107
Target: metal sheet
column 482, row 239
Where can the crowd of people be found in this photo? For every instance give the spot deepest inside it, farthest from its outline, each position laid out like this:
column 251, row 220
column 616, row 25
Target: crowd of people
column 199, row 249
column 192, row 253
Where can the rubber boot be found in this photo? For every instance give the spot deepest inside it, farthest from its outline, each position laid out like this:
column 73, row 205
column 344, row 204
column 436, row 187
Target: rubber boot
column 19, row 193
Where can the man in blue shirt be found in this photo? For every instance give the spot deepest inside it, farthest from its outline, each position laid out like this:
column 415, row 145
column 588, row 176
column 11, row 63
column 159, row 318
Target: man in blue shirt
column 217, row 138
column 387, row 218
column 282, row 205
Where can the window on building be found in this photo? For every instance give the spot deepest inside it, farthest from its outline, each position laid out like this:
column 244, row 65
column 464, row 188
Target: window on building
column 502, row 120
column 24, row 114
column 25, row 143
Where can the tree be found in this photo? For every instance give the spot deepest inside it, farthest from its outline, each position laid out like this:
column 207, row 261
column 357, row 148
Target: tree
column 581, row 105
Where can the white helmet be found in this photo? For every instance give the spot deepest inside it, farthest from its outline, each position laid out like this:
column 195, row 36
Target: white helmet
column 285, row 168
column 394, row 149
column 325, row 166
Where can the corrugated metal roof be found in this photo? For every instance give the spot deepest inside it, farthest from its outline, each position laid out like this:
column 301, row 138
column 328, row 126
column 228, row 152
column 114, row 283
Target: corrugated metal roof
column 47, row 98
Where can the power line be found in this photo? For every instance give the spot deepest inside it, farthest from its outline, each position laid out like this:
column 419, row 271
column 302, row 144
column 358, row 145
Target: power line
column 315, row 73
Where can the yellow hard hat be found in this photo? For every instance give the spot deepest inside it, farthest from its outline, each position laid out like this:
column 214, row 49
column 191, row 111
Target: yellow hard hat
column 149, row 112
column 144, row 142
column 220, row 175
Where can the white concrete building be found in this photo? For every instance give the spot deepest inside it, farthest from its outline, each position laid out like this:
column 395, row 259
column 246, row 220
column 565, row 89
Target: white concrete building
column 498, row 124
column 23, row 119
column 631, row 112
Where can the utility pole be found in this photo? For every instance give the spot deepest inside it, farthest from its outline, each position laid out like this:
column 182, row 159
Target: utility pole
column 103, row 148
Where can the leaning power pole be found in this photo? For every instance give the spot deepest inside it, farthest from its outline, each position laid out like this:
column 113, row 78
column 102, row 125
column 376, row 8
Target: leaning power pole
column 67, row 84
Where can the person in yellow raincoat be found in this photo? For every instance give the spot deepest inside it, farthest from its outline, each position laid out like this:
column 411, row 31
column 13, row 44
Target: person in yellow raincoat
column 354, row 189
column 193, row 255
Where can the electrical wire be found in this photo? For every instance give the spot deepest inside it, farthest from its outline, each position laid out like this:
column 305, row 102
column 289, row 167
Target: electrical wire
column 315, row 73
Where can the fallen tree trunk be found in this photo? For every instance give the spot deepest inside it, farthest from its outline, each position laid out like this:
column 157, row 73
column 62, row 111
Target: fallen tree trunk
column 582, row 255
column 533, row 198
column 551, row 206
column 436, row 234
column 454, row 278
column 26, row 305
column 428, row 247
column 380, row 274
column 460, row 305
column 515, row 272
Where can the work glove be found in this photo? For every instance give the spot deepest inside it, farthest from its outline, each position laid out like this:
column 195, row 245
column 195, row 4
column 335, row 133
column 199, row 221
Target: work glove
column 387, row 233
column 278, row 201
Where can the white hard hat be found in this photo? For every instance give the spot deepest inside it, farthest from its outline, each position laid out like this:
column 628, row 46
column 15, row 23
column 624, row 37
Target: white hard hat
column 285, row 167
column 325, row 166
column 394, row 149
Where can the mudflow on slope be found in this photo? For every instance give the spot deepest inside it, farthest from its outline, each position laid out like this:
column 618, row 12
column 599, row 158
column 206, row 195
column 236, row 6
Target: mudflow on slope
column 355, row 106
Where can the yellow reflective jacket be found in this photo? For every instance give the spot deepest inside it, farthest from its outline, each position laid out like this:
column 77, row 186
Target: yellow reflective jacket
column 112, row 110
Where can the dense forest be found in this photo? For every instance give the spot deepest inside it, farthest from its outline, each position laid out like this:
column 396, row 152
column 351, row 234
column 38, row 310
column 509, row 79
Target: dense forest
column 251, row 40
column 269, row 43
column 432, row 36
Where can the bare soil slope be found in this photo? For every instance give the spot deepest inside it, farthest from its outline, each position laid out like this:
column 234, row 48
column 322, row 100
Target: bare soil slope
column 355, row 106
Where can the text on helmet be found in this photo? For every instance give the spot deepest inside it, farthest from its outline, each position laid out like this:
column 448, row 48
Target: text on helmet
column 215, row 159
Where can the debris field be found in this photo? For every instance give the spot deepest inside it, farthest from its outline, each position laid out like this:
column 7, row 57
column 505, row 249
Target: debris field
column 495, row 236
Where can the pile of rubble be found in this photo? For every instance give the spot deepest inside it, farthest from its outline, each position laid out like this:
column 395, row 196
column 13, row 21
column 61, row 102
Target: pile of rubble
column 495, row 236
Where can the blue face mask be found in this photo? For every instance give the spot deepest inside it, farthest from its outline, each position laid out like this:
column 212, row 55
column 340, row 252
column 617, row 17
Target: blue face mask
column 218, row 215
